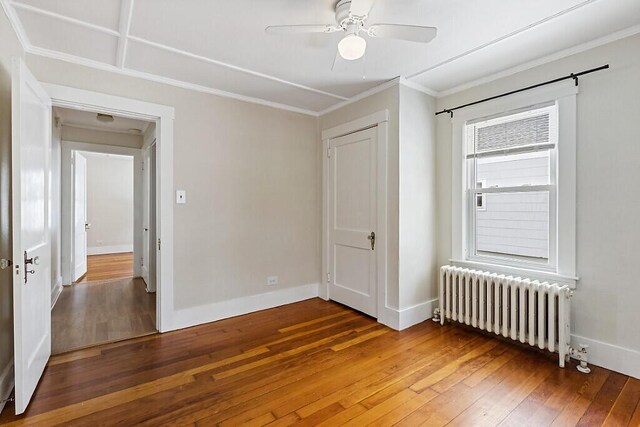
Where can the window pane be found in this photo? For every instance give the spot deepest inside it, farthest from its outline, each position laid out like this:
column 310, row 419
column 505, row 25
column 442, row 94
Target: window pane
column 514, row 170
column 514, row 225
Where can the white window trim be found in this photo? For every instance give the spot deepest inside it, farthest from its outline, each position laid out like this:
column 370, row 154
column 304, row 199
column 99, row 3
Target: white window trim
column 565, row 96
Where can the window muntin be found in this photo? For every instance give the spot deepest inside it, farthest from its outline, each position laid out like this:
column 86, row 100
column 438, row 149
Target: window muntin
column 511, row 188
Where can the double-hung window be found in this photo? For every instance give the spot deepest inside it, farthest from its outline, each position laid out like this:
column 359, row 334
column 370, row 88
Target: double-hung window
column 511, row 180
column 514, row 185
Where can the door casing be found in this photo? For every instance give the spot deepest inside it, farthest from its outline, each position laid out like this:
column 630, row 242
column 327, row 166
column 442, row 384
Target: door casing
column 163, row 116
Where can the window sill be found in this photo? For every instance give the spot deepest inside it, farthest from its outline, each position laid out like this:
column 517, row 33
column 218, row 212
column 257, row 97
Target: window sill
column 546, row 276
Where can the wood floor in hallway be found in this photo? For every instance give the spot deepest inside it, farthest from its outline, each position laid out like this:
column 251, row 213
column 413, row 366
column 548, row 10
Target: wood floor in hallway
column 108, row 267
column 319, row 363
column 87, row 314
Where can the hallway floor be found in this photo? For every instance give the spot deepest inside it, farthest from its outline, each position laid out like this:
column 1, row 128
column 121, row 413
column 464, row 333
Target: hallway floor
column 98, row 312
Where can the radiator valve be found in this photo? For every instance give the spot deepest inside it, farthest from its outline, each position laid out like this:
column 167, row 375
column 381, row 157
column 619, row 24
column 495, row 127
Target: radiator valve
column 436, row 315
column 581, row 355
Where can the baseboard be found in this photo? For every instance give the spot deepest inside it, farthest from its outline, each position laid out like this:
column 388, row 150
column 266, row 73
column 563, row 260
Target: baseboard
column 407, row 317
column 6, row 384
column 224, row 309
column 56, row 291
column 102, row 250
column 610, row 356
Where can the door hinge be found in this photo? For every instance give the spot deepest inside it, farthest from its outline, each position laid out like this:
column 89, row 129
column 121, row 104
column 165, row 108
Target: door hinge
column 158, row 243
column 328, row 277
column 142, row 165
column 5, row 263
column 329, row 152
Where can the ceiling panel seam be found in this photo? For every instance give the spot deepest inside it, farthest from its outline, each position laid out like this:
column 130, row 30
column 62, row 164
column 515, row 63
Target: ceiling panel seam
column 176, row 50
column 126, row 13
column 65, row 18
column 47, row 53
column 233, row 67
column 502, row 38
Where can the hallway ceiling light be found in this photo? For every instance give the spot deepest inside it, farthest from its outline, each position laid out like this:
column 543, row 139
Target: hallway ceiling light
column 105, row 118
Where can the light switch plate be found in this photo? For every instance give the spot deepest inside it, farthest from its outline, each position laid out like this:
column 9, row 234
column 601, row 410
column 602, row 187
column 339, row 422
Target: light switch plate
column 181, row 197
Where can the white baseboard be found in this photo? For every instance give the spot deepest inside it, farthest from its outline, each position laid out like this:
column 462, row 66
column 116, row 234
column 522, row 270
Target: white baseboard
column 56, row 291
column 407, row 317
column 102, row 250
column 610, row 356
column 224, row 309
column 6, row 383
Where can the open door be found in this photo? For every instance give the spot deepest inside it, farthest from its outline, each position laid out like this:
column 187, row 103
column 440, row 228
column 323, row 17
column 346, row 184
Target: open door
column 31, row 135
column 80, row 224
column 149, row 218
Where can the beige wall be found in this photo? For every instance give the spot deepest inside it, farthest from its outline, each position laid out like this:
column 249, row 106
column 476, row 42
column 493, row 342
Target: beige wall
column 417, row 201
column 250, row 173
column 109, row 202
column 605, row 303
column 386, row 100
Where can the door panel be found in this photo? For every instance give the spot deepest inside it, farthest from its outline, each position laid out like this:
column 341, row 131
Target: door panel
column 145, row 214
column 31, row 145
column 80, row 223
column 352, row 220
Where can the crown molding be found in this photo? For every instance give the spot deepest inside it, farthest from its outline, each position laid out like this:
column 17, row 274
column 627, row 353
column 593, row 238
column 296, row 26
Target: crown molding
column 416, row 86
column 15, row 24
column 376, row 89
column 165, row 80
column 610, row 38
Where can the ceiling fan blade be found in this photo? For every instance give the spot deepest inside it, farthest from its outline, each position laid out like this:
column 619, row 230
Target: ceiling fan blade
column 361, row 7
column 412, row 33
column 301, row 29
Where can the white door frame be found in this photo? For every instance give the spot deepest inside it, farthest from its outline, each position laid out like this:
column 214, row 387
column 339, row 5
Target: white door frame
column 380, row 120
column 66, row 202
column 163, row 116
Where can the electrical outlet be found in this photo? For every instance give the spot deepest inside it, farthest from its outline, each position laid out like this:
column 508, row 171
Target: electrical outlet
column 272, row 280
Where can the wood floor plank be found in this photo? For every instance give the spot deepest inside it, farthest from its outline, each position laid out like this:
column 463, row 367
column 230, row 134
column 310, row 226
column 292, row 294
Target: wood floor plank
column 625, row 405
column 319, row 363
column 604, row 400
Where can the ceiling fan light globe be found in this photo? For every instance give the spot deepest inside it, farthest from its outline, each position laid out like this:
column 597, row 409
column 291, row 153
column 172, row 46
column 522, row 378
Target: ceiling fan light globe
column 352, row 47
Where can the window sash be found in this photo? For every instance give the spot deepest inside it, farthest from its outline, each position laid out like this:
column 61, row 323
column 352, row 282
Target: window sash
column 514, row 260
column 514, row 150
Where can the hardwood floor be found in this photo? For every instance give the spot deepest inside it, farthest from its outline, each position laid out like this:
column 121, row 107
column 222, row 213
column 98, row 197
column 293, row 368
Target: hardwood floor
column 87, row 314
column 108, row 267
column 319, row 363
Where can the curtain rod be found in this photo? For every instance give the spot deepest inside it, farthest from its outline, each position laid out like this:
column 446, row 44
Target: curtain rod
column 573, row 76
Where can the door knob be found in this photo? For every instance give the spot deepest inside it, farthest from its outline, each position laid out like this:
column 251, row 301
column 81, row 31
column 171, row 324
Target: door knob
column 372, row 237
column 87, row 225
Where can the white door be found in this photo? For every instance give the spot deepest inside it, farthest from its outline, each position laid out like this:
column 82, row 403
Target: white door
column 352, row 220
column 31, row 128
column 80, row 223
column 149, row 218
column 145, row 215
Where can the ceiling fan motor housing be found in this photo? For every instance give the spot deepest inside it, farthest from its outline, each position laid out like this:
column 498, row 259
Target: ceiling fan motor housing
column 344, row 16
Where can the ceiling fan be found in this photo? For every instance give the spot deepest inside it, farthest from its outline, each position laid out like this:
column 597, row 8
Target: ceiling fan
column 351, row 16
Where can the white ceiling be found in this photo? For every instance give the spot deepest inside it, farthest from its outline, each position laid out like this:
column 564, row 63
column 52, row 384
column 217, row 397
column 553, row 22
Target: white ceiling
column 88, row 120
column 221, row 46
